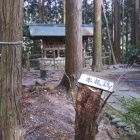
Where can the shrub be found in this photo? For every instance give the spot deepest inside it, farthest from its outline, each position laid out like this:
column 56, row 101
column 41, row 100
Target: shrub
column 131, row 55
column 132, row 112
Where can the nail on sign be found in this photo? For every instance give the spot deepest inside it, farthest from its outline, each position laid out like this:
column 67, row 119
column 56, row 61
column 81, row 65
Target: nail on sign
column 96, row 82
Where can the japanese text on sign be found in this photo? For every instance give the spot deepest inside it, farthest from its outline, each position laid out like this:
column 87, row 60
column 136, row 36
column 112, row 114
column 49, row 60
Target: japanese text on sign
column 96, row 82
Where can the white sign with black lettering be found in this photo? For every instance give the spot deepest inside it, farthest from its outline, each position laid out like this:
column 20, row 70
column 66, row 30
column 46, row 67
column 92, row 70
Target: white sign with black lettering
column 96, row 82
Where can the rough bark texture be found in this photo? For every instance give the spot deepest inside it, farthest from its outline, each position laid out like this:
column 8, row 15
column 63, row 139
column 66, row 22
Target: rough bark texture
column 11, row 13
column 73, row 67
column 116, row 31
column 87, row 111
column 97, row 47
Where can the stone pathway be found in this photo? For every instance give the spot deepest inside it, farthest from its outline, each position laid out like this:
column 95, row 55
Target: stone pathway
column 119, row 89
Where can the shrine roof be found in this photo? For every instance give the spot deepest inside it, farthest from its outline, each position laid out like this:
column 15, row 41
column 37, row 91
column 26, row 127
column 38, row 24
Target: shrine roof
column 55, row 30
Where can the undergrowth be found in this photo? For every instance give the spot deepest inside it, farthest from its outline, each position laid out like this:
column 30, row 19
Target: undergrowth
column 132, row 54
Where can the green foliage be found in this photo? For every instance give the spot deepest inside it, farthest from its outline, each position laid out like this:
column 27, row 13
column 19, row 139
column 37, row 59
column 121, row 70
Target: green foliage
column 131, row 54
column 87, row 12
column 132, row 112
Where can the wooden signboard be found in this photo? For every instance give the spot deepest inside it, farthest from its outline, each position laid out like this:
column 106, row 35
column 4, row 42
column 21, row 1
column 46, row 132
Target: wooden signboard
column 96, row 82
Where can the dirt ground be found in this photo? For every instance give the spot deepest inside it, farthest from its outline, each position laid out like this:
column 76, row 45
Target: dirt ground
column 48, row 115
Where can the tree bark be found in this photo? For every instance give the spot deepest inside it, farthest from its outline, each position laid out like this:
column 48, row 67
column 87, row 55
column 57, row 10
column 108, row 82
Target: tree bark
column 97, row 47
column 50, row 10
column 127, row 31
column 39, row 11
column 73, row 66
column 85, row 12
column 42, row 12
column 116, row 31
column 122, row 27
column 64, row 11
column 136, row 22
column 11, row 19
column 112, row 38
column 87, row 111
column 132, row 25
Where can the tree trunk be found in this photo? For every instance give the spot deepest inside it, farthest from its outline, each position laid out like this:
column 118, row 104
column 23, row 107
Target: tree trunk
column 42, row 15
column 87, row 111
column 85, row 12
column 112, row 38
column 116, row 31
column 50, row 10
column 39, row 11
column 11, row 18
column 136, row 23
column 132, row 24
column 127, row 31
column 97, row 48
column 73, row 67
column 122, row 27
column 64, row 11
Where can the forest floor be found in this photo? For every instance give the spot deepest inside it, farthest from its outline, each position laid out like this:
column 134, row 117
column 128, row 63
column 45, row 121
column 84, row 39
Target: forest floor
column 48, row 115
